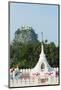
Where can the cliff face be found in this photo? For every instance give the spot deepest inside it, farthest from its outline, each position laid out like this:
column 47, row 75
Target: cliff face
column 26, row 35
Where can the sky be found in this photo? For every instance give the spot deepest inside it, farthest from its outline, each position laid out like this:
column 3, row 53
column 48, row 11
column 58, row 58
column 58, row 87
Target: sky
column 42, row 18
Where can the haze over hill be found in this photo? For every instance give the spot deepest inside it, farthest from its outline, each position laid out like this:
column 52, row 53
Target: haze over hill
column 25, row 34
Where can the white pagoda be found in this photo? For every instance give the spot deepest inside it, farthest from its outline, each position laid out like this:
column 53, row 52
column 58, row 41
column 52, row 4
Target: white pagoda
column 42, row 64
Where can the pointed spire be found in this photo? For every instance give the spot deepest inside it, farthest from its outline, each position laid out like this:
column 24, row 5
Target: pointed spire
column 42, row 36
column 42, row 49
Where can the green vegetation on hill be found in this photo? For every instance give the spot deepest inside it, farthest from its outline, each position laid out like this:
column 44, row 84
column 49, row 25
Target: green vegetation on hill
column 25, row 35
column 25, row 49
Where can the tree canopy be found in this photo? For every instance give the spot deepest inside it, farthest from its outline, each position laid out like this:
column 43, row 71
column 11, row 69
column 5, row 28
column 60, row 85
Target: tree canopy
column 25, row 49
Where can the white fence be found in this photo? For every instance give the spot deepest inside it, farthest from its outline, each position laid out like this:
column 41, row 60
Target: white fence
column 24, row 79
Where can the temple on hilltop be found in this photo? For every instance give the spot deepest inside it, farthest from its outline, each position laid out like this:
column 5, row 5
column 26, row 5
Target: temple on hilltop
column 42, row 64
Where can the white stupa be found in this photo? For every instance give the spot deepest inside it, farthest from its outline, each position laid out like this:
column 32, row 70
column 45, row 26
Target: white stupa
column 42, row 64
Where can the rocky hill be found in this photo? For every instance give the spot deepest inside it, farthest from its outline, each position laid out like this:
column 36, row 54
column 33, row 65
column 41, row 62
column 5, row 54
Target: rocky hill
column 25, row 34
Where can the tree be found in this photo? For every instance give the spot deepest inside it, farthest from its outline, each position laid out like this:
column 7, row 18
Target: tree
column 46, row 41
column 25, row 49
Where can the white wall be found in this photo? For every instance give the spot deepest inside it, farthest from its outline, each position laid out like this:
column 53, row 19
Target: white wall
column 4, row 44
